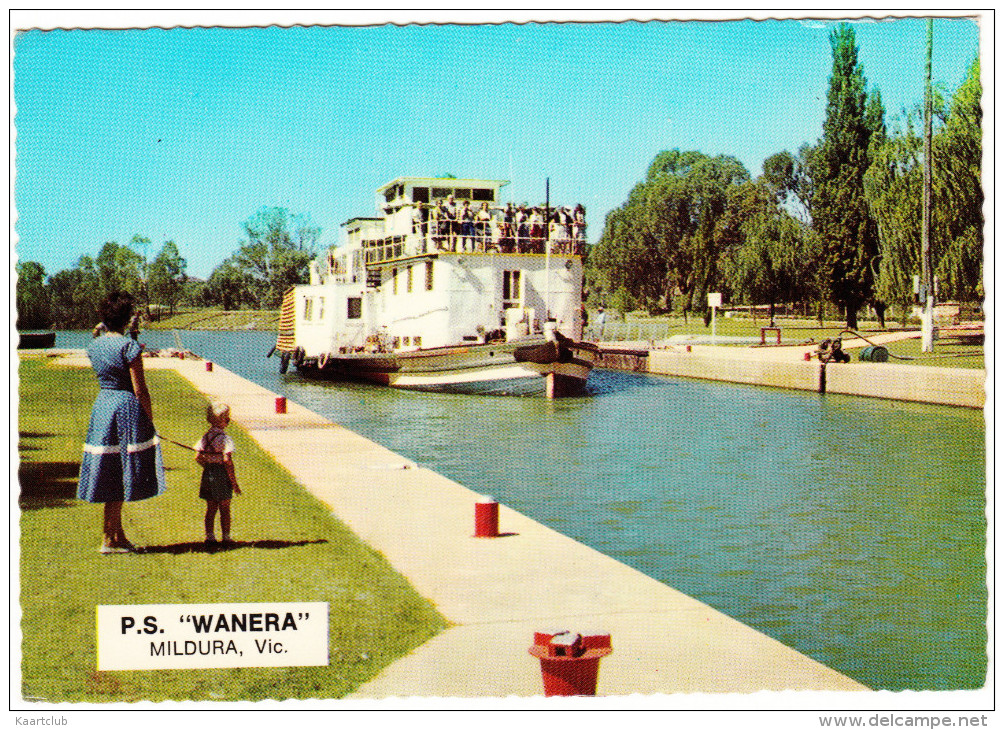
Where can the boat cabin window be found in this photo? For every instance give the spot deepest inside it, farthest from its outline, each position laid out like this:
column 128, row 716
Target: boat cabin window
column 511, row 289
column 441, row 193
column 480, row 194
column 417, row 340
column 410, row 277
column 428, row 276
column 420, row 195
column 308, row 309
column 463, row 193
column 355, row 308
column 393, row 281
column 407, row 341
column 320, row 308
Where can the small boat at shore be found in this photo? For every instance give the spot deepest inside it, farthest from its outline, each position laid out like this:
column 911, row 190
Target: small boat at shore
column 433, row 296
column 35, row 340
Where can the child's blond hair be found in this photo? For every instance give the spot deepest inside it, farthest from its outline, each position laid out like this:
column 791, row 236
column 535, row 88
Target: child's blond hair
column 216, row 411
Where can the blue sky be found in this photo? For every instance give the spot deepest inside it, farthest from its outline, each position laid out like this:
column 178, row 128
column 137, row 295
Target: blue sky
column 182, row 134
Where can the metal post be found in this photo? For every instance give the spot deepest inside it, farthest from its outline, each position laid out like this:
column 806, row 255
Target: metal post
column 926, row 280
column 547, row 249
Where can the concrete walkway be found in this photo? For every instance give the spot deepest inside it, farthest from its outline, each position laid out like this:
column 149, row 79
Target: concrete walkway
column 498, row 591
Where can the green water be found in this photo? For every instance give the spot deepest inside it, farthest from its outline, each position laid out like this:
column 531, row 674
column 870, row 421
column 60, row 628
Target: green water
column 850, row 529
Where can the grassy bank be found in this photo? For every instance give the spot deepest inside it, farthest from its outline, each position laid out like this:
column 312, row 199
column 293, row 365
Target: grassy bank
column 217, row 319
column 289, row 548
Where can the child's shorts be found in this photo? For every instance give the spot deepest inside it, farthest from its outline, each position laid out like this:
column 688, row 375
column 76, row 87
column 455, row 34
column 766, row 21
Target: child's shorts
column 215, row 485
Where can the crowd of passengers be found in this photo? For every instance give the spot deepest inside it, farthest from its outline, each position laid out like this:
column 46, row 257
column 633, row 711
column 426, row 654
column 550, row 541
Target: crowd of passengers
column 453, row 227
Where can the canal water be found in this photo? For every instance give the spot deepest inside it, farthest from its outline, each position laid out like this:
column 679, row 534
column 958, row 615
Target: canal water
column 850, row 529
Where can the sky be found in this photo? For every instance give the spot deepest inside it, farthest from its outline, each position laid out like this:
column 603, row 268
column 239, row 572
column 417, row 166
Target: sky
column 182, row 134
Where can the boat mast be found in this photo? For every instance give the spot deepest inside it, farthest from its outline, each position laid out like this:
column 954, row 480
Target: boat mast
column 547, row 249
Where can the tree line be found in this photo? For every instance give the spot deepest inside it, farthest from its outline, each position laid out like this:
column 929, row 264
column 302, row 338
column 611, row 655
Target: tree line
column 839, row 220
column 274, row 255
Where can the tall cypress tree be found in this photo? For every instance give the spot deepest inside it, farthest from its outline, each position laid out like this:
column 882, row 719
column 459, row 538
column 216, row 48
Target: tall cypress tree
column 840, row 210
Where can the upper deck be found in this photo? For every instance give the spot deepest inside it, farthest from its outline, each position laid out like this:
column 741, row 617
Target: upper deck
column 423, row 216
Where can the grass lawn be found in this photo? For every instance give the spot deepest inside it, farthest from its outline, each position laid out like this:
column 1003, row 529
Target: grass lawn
column 947, row 354
column 289, row 548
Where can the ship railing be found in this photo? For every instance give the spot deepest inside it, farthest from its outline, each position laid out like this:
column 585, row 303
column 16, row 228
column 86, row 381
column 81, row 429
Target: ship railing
column 480, row 237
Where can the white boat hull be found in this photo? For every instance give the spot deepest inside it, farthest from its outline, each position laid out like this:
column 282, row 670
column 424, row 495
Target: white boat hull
column 489, row 369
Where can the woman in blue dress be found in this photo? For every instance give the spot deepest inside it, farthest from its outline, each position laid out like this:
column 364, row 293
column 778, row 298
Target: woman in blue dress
column 122, row 461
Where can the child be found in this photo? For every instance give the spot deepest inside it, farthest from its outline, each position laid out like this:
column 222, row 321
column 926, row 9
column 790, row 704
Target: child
column 219, row 481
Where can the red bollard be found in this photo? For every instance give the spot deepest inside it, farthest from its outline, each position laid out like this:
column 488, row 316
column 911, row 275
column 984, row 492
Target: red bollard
column 569, row 663
column 688, row 348
column 808, row 356
column 209, row 367
column 486, row 518
column 280, row 404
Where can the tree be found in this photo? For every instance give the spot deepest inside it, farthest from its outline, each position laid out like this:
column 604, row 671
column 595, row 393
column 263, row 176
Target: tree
column 229, row 286
column 272, row 259
column 167, row 275
column 31, row 297
column 663, row 239
column 958, row 193
column 839, row 209
column 119, row 268
column 894, row 185
column 766, row 251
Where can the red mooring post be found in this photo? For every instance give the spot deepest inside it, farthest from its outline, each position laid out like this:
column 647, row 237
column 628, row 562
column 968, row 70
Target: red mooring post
column 280, row 404
column 570, row 663
column 209, row 367
column 486, row 518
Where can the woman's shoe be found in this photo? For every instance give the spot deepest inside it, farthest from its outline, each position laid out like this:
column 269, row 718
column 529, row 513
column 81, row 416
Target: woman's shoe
column 115, row 549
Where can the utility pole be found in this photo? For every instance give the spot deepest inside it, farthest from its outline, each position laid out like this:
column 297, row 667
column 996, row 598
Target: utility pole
column 926, row 274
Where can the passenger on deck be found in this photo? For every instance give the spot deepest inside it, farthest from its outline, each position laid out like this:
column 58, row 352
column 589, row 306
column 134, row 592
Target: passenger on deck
column 537, row 230
column 508, row 232
column 436, row 227
column 578, row 228
column 420, row 224
column 522, row 229
column 448, row 217
column 466, row 227
column 483, row 225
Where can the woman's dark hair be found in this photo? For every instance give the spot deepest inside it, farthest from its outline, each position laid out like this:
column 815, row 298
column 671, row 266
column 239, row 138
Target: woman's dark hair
column 116, row 310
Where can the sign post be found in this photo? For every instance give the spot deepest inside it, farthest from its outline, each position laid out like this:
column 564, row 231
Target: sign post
column 714, row 301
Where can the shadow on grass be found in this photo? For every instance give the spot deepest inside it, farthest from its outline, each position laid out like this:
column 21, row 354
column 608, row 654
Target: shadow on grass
column 179, row 548
column 47, row 484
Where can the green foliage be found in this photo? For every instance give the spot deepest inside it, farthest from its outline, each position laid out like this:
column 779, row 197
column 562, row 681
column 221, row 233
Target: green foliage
column 839, row 209
column 167, row 276
column 34, row 309
column 662, row 240
column 894, row 185
column 275, row 256
column 958, row 190
column 767, row 255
